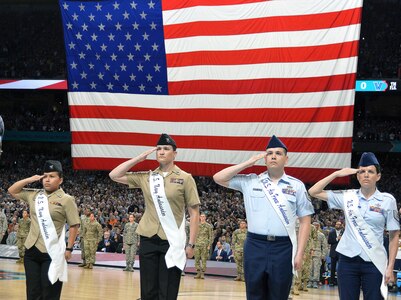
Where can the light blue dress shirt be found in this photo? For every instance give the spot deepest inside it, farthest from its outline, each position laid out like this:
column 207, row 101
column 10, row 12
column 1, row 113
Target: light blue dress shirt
column 379, row 212
column 261, row 216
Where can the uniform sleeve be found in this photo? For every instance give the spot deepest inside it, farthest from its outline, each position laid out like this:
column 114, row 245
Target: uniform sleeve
column 304, row 204
column 234, row 239
column 135, row 179
column 26, row 195
column 71, row 212
column 191, row 192
column 325, row 247
column 236, row 183
column 210, row 236
column 335, row 199
column 392, row 218
column 99, row 232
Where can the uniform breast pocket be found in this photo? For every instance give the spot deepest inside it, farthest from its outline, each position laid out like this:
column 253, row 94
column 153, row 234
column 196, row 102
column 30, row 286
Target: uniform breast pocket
column 258, row 200
column 292, row 202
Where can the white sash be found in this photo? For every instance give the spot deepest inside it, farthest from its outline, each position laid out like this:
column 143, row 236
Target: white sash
column 176, row 237
column 365, row 236
column 280, row 205
column 55, row 246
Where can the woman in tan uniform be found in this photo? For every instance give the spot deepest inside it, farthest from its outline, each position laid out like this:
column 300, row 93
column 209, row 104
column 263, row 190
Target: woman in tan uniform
column 51, row 209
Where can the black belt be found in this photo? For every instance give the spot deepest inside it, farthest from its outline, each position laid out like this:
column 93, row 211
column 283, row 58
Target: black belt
column 269, row 238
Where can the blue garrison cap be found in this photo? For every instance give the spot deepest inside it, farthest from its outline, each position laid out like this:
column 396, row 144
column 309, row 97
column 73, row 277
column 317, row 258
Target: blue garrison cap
column 368, row 159
column 275, row 142
column 165, row 139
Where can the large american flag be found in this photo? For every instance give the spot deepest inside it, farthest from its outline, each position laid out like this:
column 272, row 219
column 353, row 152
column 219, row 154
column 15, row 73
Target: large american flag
column 219, row 76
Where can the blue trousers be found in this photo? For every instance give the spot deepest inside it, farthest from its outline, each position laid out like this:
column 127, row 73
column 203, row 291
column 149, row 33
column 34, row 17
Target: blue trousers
column 354, row 273
column 267, row 268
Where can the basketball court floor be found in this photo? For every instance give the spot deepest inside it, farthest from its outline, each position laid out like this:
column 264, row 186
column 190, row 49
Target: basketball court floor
column 110, row 282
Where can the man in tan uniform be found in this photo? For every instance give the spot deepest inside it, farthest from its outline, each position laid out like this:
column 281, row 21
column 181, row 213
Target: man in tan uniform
column 93, row 234
column 131, row 242
column 238, row 241
column 24, row 225
column 84, row 221
column 157, row 280
column 40, row 251
column 203, row 243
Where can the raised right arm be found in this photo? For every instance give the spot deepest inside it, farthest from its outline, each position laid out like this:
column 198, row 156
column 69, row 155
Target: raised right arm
column 118, row 174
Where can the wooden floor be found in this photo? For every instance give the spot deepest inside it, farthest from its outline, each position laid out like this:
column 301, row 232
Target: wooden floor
column 113, row 283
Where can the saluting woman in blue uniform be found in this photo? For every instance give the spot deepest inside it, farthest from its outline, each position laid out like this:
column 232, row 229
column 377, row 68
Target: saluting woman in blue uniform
column 368, row 212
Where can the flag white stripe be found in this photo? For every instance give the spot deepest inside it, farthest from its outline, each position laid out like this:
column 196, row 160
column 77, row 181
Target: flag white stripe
column 255, row 10
column 301, row 160
column 29, row 84
column 316, row 129
column 266, row 70
column 298, row 100
column 264, row 40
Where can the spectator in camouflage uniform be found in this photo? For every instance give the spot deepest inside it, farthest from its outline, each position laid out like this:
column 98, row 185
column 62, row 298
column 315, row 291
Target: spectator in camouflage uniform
column 24, row 224
column 131, row 242
column 319, row 252
column 203, row 243
column 301, row 281
column 238, row 240
column 93, row 234
column 84, row 221
column 3, row 224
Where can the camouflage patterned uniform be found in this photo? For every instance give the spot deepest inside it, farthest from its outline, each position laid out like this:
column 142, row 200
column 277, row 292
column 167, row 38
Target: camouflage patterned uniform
column 23, row 229
column 238, row 241
column 93, row 234
column 84, row 221
column 204, row 241
column 306, row 267
column 131, row 239
column 319, row 252
column 300, row 282
column 3, row 224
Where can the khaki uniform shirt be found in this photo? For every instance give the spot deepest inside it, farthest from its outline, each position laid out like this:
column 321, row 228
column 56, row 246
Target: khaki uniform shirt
column 62, row 209
column 181, row 192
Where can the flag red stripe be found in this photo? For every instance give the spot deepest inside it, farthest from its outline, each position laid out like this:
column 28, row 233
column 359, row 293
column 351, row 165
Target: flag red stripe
column 177, row 4
column 322, row 114
column 309, row 175
column 246, row 143
column 265, row 85
column 266, row 24
column 56, row 86
column 266, row 55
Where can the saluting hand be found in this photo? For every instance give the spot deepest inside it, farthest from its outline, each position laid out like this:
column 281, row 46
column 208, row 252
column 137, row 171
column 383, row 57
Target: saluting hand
column 257, row 157
column 34, row 178
column 145, row 154
column 346, row 172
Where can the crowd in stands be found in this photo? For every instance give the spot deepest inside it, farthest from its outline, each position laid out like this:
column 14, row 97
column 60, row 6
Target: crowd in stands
column 32, row 41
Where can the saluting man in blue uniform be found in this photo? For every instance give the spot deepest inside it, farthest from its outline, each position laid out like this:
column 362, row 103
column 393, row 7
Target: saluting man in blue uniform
column 368, row 212
column 273, row 202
